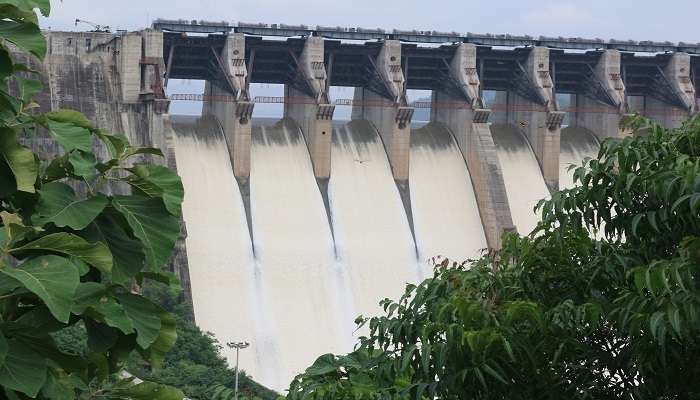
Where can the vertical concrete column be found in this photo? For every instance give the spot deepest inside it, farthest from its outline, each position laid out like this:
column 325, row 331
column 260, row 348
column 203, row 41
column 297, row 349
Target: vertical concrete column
column 229, row 102
column 671, row 114
column 389, row 112
column 129, row 67
column 539, row 120
column 152, row 63
column 460, row 112
column 603, row 112
column 311, row 107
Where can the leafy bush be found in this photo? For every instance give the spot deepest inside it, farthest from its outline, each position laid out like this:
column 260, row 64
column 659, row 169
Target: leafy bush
column 602, row 301
column 70, row 261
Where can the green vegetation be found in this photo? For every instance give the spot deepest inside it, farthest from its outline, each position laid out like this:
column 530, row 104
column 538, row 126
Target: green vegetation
column 69, row 262
column 195, row 364
column 558, row 314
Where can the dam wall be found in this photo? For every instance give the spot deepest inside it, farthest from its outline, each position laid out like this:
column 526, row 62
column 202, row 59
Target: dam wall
column 294, row 226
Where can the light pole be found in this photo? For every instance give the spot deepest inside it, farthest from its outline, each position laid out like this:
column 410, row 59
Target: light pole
column 238, row 346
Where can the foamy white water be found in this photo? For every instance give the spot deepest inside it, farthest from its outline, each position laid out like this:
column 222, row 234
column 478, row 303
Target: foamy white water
column 225, row 299
column 445, row 212
column 522, row 175
column 576, row 145
column 295, row 252
column 373, row 237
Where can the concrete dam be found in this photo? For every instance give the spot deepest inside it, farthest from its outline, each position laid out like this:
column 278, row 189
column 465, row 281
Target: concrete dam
column 294, row 226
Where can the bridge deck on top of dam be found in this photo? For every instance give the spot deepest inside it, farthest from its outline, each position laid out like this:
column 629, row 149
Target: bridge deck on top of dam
column 504, row 40
column 500, row 59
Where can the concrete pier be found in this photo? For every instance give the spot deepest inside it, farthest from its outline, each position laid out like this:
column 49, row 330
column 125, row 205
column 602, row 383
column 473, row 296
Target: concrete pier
column 673, row 98
column 388, row 111
column 533, row 109
column 308, row 103
column 229, row 102
column 601, row 109
column 460, row 110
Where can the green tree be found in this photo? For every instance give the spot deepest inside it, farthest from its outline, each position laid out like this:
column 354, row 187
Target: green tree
column 601, row 301
column 70, row 261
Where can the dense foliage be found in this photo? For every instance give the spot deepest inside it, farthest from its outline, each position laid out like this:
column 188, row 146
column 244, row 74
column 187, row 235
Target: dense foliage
column 195, row 364
column 70, row 254
column 602, row 301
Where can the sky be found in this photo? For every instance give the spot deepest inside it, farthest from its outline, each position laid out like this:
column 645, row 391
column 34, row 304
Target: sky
column 670, row 20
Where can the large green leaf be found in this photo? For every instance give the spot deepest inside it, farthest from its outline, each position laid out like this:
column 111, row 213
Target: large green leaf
column 157, row 229
column 323, row 365
column 69, row 135
column 167, row 183
column 126, row 251
column 94, row 299
column 116, row 144
column 20, row 159
column 59, row 205
column 26, row 36
column 83, row 163
column 95, row 254
column 52, row 278
column 28, row 88
column 165, row 341
column 24, row 370
column 70, row 117
column 145, row 317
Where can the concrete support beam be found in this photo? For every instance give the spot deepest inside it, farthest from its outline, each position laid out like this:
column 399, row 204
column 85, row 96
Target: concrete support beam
column 602, row 108
column 673, row 99
column 533, row 110
column 152, row 64
column 388, row 111
column 129, row 67
column 307, row 102
column 228, row 101
column 470, row 127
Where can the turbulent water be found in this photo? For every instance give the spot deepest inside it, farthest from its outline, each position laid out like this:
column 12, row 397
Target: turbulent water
column 373, row 238
column 445, row 212
column 522, row 175
column 219, row 250
column 295, row 253
column 576, row 145
column 286, row 262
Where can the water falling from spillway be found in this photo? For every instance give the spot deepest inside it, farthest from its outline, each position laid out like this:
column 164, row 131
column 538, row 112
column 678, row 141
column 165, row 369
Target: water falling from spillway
column 445, row 212
column 295, row 252
column 522, row 175
column 576, row 145
column 372, row 234
column 225, row 298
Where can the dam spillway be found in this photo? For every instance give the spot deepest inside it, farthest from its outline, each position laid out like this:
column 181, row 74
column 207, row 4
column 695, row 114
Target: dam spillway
column 577, row 144
column 521, row 172
column 294, row 286
column 442, row 195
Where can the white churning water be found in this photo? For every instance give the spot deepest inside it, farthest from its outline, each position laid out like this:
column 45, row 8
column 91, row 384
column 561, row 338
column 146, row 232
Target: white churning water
column 373, row 237
column 445, row 212
column 295, row 253
column 291, row 290
column 219, row 251
column 522, row 175
column 576, row 145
